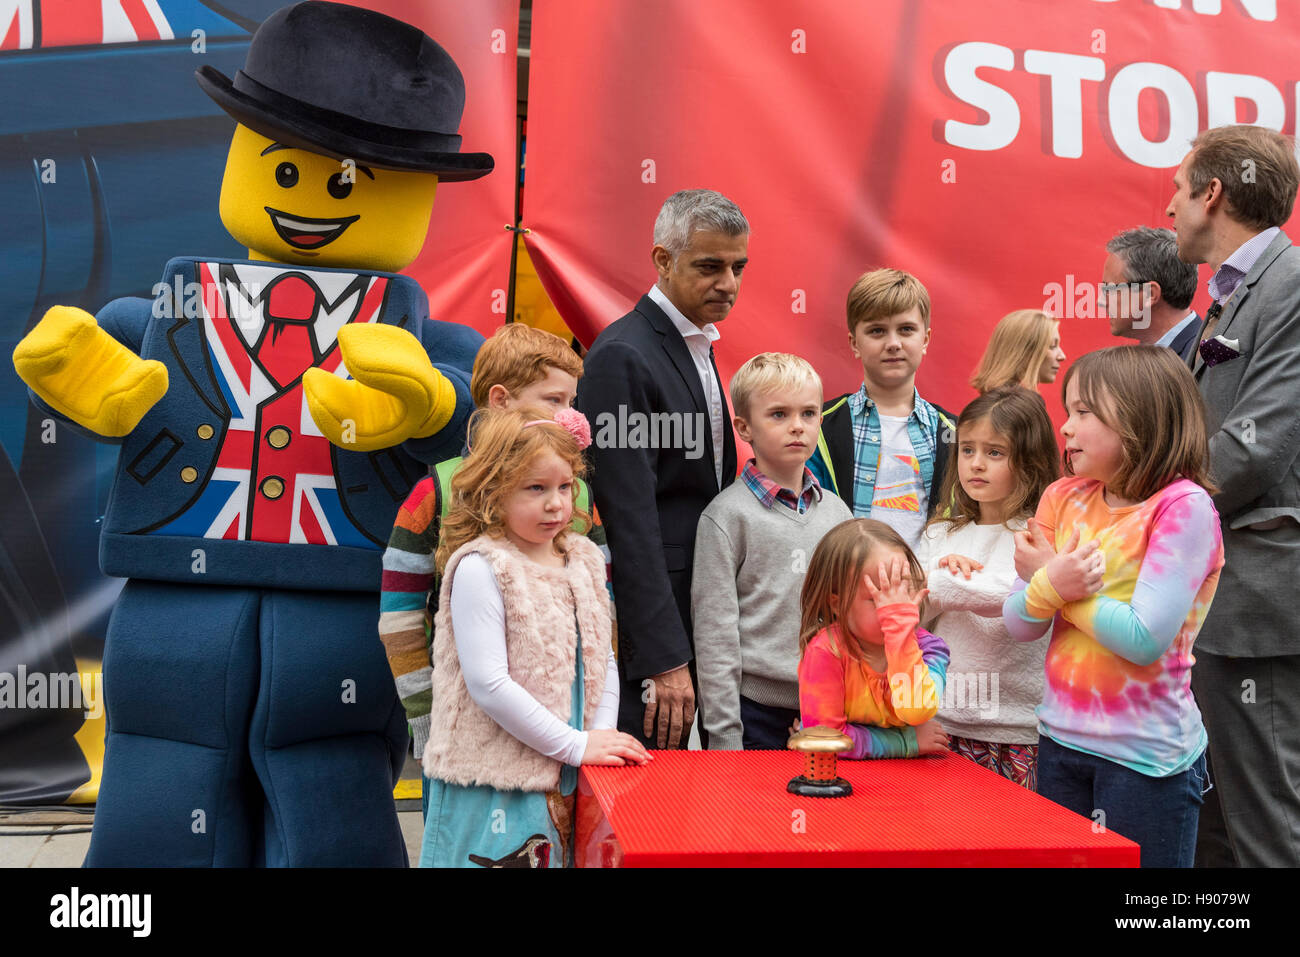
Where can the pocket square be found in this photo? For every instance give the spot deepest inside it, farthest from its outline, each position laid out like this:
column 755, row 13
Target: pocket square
column 1219, row 349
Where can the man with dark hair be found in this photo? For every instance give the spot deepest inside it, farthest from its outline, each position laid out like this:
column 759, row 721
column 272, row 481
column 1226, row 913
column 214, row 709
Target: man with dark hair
column 655, row 365
column 1235, row 189
column 1147, row 290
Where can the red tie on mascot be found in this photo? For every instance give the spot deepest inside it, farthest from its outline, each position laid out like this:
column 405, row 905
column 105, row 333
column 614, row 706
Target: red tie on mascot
column 272, row 415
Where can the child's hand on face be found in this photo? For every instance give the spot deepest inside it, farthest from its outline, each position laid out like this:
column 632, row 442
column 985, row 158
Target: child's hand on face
column 1033, row 551
column 893, row 589
column 960, row 565
column 607, row 746
column 931, row 738
column 1077, row 571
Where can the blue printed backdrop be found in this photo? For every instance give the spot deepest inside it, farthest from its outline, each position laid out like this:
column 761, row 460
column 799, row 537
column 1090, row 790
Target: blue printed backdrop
column 110, row 162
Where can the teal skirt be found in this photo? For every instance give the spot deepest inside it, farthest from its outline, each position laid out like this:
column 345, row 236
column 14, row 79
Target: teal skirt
column 487, row 827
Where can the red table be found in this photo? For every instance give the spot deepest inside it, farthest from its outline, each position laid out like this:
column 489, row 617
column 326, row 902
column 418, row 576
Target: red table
column 731, row 809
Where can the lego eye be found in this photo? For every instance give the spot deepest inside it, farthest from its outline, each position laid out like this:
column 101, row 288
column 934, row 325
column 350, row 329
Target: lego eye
column 338, row 187
column 286, row 174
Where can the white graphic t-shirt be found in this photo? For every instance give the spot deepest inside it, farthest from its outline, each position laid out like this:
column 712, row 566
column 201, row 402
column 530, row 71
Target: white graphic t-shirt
column 900, row 500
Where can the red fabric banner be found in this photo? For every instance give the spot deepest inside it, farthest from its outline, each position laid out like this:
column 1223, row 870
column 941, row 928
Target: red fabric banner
column 465, row 263
column 992, row 149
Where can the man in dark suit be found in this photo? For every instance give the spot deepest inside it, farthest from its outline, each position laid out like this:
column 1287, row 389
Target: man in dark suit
column 1147, row 290
column 663, row 449
column 1234, row 191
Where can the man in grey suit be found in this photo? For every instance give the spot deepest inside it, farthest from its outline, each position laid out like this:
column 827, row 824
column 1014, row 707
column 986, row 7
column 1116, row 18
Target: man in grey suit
column 1234, row 191
column 1147, row 290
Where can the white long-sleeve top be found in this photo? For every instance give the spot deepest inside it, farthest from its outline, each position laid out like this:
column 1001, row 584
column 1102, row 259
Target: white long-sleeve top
column 478, row 618
column 995, row 682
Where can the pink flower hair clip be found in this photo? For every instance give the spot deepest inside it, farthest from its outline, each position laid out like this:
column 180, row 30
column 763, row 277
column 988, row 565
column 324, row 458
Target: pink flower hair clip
column 573, row 422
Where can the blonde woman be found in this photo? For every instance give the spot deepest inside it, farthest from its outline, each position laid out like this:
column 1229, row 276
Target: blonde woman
column 1025, row 350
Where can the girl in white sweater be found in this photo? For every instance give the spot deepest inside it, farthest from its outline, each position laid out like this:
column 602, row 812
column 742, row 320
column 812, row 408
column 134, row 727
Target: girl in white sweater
column 1006, row 456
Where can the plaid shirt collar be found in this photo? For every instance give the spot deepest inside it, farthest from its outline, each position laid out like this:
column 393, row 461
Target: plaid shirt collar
column 768, row 492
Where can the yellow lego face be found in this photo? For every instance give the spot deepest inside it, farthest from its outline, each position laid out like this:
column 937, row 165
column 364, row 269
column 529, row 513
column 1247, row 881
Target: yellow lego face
column 293, row 206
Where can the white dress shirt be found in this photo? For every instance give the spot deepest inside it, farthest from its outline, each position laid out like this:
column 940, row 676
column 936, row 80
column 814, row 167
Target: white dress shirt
column 700, row 344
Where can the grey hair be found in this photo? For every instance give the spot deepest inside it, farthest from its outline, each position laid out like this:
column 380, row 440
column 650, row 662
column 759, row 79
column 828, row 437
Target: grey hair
column 690, row 209
column 1151, row 255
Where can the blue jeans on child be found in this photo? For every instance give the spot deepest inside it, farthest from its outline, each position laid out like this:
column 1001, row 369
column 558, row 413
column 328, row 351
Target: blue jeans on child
column 1159, row 814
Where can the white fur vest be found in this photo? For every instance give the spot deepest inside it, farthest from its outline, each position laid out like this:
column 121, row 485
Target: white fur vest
column 466, row 746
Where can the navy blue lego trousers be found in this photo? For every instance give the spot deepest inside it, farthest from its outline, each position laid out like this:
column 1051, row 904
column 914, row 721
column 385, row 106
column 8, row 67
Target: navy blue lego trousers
column 246, row 728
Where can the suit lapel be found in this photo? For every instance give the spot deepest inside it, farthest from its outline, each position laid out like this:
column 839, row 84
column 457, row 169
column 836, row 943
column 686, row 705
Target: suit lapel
column 185, row 337
column 728, row 436
column 1274, row 249
column 1185, row 338
column 677, row 350
column 680, row 354
column 1230, row 312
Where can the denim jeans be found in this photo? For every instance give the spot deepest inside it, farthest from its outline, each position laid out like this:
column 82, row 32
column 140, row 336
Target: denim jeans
column 1159, row 814
column 765, row 728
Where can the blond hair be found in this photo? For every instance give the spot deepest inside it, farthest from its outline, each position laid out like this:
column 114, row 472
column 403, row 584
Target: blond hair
column 770, row 372
column 834, row 575
column 515, row 357
column 1148, row 397
column 506, row 445
column 882, row 293
column 1014, row 355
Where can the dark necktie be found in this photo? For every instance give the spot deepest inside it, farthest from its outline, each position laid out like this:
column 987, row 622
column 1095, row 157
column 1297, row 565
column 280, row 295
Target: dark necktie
column 1207, row 331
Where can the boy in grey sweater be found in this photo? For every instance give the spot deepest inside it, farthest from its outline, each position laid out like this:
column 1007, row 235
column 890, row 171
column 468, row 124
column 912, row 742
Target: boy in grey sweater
column 752, row 547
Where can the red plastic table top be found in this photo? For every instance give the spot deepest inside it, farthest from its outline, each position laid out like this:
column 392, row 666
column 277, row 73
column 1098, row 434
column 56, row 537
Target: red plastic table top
column 731, row 809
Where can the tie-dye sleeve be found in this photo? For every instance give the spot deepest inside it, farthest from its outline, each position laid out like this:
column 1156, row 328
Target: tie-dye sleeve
column 872, row 742
column 1020, row 624
column 821, row 701
column 1182, row 550
column 915, row 677
column 821, row 687
column 1026, row 613
column 936, row 654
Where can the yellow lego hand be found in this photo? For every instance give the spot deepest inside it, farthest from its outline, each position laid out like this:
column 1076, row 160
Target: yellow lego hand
column 86, row 374
column 394, row 394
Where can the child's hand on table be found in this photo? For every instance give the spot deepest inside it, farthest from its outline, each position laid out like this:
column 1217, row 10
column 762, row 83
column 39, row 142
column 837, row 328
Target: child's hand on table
column 931, row 738
column 893, row 589
column 607, row 746
column 960, row 564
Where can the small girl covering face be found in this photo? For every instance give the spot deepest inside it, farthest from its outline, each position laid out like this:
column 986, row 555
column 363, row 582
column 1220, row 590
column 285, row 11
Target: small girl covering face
column 1006, row 456
column 1122, row 564
column 522, row 654
column 867, row 669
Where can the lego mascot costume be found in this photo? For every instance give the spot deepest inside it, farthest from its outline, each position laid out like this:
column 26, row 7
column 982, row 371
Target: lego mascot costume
column 272, row 413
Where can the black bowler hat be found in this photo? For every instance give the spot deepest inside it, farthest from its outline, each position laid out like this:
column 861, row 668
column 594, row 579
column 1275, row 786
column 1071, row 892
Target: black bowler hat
column 354, row 84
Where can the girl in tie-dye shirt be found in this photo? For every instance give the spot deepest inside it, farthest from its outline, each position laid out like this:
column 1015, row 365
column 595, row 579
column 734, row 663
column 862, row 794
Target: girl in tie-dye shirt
column 866, row 668
column 1122, row 562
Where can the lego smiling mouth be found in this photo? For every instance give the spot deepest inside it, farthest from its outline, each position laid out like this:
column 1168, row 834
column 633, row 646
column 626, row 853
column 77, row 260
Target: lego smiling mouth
column 306, row 232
